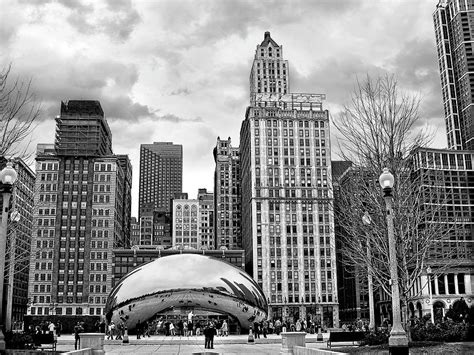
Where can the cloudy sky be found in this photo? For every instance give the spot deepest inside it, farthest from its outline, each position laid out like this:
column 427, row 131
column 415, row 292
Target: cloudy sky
column 177, row 70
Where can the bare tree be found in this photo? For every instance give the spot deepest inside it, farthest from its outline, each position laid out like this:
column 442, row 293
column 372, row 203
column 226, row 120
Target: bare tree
column 19, row 111
column 378, row 130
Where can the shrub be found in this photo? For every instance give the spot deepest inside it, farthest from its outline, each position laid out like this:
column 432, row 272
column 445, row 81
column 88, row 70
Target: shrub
column 446, row 331
column 376, row 337
column 18, row 341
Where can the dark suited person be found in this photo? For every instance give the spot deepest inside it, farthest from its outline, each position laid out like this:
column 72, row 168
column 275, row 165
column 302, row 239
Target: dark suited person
column 212, row 333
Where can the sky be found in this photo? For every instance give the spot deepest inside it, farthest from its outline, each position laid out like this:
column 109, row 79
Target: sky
column 178, row 70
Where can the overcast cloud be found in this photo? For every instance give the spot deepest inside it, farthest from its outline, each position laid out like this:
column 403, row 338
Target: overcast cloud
column 177, row 70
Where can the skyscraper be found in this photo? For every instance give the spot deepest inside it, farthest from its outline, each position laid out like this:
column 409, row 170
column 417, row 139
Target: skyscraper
column 161, row 174
column 270, row 72
column 454, row 27
column 81, row 212
column 82, row 130
column 18, row 243
column 287, row 218
column 447, row 180
column 227, row 195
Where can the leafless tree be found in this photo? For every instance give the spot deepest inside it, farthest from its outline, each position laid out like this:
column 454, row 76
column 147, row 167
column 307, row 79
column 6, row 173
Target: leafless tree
column 19, row 112
column 378, row 130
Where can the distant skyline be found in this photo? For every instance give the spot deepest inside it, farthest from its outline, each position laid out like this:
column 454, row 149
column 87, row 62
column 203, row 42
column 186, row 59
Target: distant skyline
column 178, row 71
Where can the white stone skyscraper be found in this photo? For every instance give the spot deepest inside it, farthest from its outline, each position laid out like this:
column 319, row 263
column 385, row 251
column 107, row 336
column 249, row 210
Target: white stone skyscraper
column 269, row 72
column 287, row 219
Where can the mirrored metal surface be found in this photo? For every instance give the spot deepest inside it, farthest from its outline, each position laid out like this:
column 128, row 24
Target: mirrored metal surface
column 189, row 281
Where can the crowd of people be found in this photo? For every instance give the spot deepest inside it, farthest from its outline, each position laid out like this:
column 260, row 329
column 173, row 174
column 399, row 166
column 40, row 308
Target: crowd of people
column 358, row 325
column 46, row 327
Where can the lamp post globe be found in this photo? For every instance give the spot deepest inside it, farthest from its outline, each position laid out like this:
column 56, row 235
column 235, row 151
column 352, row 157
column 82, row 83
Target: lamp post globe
column 386, row 181
column 8, row 177
column 398, row 340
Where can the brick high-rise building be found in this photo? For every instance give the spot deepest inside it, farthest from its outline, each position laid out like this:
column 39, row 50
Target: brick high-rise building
column 227, row 195
column 454, row 27
column 287, row 215
column 161, row 174
column 81, row 212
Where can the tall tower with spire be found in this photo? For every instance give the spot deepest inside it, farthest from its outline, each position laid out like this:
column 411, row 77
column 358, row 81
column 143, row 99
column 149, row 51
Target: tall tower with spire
column 287, row 222
column 269, row 72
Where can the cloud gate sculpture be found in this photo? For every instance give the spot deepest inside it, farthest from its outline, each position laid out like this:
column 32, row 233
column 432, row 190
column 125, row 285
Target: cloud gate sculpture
column 188, row 281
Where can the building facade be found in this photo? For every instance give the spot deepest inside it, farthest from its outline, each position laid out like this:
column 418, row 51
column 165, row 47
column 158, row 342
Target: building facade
column 270, row 72
column 227, row 195
column 161, row 175
column 126, row 260
column 448, row 175
column 287, row 219
column 185, row 223
column 155, row 227
column 454, row 28
column 134, row 232
column 81, row 212
column 206, row 219
column 17, row 259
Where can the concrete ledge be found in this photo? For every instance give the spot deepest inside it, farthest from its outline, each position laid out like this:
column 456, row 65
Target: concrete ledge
column 300, row 350
column 291, row 339
column 86, row 351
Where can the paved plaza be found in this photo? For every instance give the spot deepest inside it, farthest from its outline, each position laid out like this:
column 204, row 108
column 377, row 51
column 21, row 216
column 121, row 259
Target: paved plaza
column 233, row 344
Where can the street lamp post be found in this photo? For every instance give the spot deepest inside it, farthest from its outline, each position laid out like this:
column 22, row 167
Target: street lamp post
column 367, row 221
column 14, row 219
column 7, row 178
column 398, row 341
column 430, row 291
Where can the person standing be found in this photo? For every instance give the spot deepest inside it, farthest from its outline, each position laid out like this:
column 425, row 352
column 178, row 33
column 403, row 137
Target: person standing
column 138, row 329
column 264, row 328
column 77, row 338
column 119, row 331
column 211, row 333
column 59, row 328
column 225, row 328
column 190, row 328
column 256, row 330
column 277, row 327
column 52, row 328
column 111, row 331
column 206, row 337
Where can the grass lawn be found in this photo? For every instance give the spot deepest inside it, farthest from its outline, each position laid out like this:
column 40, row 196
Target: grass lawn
column 415, row 349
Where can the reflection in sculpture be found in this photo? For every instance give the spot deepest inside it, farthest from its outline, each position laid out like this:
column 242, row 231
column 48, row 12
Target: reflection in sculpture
column 189, row 281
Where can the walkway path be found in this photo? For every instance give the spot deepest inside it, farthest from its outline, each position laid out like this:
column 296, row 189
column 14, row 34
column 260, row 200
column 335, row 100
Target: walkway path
column 233, row 344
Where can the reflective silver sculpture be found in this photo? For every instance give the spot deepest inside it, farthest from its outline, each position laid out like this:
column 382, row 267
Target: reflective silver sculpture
column 190, row 281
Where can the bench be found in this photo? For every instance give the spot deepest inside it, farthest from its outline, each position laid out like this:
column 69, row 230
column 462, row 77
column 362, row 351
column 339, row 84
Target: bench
column 339, row 337
column 40, row 339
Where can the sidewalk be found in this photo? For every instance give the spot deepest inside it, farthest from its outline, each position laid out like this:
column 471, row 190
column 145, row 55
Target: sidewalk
column 233, row 344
